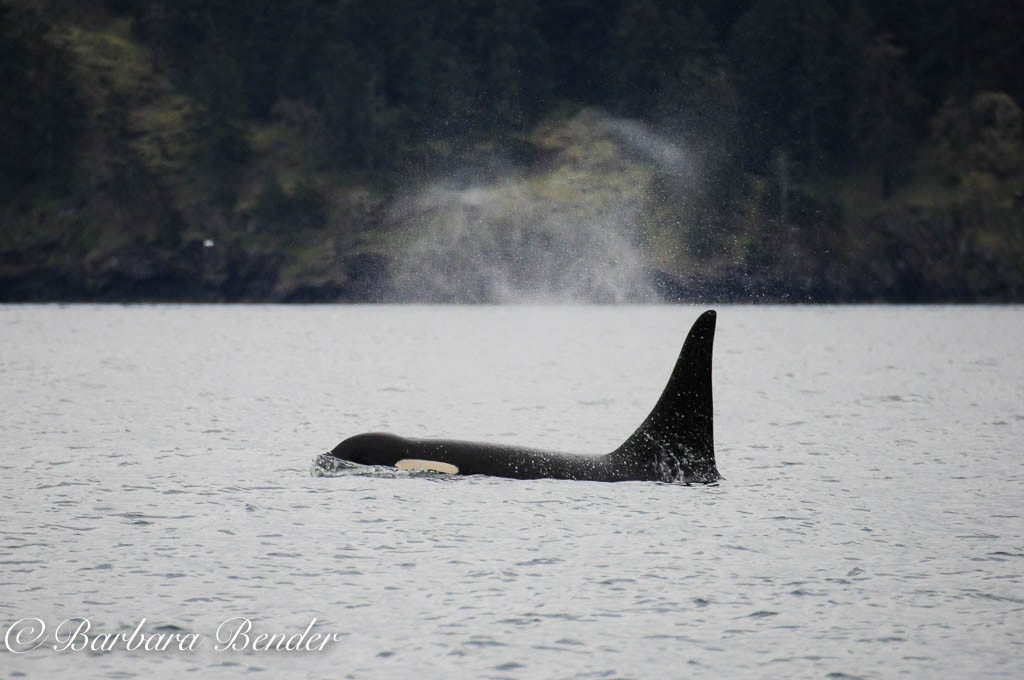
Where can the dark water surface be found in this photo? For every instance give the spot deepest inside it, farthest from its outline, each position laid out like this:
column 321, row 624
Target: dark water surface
column 156, row 465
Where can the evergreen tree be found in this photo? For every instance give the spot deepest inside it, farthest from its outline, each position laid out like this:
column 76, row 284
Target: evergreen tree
column 41, row 112
column 790, row 67
column 886, row 102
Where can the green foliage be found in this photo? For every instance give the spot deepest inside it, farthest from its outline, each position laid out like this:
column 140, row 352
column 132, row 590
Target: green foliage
column 667, row 63
column 40, row 111
column 886, row 102
column 813, row 128
column 793, row 62
column 983, row 135
column 303, row 208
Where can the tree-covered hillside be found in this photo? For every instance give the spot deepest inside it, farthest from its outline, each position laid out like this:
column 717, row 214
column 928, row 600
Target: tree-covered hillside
column 307, row 149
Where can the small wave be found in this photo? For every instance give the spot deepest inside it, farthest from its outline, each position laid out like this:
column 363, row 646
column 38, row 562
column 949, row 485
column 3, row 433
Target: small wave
column 326, row 465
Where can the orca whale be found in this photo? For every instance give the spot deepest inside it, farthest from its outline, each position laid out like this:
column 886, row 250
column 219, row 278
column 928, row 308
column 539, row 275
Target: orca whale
column 674, row 444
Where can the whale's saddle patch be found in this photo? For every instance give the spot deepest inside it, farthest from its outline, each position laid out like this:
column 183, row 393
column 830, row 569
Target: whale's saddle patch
column 435, row 465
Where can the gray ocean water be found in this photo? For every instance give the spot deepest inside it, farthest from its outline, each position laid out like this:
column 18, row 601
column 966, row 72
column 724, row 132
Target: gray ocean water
column 156, row 469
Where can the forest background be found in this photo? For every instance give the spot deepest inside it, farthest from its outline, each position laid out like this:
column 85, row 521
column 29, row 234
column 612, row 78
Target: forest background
column 494, row 150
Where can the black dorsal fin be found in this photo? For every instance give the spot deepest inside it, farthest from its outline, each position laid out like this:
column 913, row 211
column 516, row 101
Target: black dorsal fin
column 677, row 439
